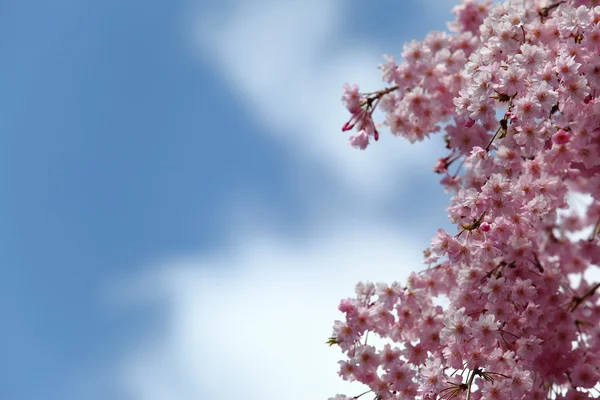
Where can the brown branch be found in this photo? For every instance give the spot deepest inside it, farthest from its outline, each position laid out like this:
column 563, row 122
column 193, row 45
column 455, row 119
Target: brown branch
column 546, row 10
column 377, row 95
column 476, row 371
column 578, row 300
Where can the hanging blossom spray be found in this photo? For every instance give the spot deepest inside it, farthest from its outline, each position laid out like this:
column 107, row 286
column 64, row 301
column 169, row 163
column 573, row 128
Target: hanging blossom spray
column 523, row 319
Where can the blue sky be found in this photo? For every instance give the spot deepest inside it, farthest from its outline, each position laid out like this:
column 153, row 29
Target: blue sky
column 179, row 205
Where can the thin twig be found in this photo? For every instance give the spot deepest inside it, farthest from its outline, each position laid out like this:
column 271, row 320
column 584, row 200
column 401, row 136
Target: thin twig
column 578, row 300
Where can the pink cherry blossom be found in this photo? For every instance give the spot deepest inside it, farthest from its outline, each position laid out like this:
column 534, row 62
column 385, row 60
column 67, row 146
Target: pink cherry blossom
column 505, row 308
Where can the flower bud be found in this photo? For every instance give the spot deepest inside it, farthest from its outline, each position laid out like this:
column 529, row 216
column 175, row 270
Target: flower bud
column 561, row 137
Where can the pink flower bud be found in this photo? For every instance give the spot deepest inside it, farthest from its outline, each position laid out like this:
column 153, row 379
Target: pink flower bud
column 347, row 126
column 469, row 122
column 485, row 227
column 561, row 137
column 441, row 165
column 512, row 117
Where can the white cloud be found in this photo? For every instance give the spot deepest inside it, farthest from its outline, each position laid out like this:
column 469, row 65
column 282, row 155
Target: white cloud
column 288, row 61
column 578, row 205
column 253, row 323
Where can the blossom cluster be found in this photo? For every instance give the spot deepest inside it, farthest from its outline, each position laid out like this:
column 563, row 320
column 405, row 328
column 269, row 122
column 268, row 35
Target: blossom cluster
column 505, row 308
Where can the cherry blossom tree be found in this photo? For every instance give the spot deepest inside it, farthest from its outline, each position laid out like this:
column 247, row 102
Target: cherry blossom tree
column 505, row 307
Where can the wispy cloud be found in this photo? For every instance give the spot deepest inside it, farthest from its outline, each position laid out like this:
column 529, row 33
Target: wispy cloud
column 253, row 323
column 287, row 61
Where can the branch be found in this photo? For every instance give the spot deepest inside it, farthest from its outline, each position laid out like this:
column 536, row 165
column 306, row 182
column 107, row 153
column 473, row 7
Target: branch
column 578, row 300
column 546, row 10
